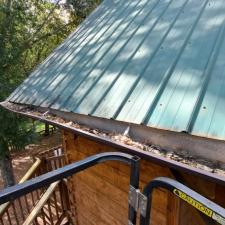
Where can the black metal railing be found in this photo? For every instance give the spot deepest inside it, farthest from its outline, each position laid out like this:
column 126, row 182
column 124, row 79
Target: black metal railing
column 138, row 202
column 42, row 205
column 12, row 193
column 207, row 208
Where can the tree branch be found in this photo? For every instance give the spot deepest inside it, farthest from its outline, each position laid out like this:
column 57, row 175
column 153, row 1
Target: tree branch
column 50, row 33
column 45, row 21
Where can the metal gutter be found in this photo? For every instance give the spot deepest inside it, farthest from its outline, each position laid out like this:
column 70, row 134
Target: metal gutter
column 157, row 159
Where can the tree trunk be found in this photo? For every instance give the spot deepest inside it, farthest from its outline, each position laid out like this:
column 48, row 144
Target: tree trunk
column 7, row 171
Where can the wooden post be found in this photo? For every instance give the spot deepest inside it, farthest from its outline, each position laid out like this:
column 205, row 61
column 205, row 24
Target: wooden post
column 47, row 132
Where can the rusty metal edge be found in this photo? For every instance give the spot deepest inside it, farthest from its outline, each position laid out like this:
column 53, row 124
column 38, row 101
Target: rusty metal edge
column 159, row 160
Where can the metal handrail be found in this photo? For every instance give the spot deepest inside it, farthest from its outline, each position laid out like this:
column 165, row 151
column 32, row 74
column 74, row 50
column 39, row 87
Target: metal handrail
column 26, row 177
column 19, row 190
column 203, row 205
column 206, row 207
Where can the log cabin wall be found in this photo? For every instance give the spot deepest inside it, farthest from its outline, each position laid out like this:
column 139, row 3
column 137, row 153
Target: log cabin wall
column 100, row 194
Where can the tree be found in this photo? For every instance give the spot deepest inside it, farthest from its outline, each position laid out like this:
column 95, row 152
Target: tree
column 83, row 8
column 29, row 30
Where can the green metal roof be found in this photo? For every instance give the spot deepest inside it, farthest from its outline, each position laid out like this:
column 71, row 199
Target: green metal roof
column 155, row 62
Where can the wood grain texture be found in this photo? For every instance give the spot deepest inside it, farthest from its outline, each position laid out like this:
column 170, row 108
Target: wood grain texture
column 101, row 192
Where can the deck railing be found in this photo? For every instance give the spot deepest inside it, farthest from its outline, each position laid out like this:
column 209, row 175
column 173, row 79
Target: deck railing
column 52, row 159
column 51, row 209
column 16, row 211
column 42, row 206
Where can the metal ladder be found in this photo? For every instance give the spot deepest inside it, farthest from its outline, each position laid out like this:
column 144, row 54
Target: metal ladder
column 139, row 202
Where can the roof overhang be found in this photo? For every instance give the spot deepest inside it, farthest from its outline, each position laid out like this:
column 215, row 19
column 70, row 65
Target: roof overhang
column 172, row 141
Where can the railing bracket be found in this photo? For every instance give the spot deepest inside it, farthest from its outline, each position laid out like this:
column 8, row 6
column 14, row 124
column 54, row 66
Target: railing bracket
column 137, row 200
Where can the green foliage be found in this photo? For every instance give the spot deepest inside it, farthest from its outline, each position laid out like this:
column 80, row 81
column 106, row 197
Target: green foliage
column 18, row 133
column 15, row 133
column 40, row 127
column 29, row 31
column 83, row 8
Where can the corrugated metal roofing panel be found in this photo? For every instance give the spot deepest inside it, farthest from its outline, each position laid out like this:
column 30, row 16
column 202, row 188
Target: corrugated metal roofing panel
column 156, row 62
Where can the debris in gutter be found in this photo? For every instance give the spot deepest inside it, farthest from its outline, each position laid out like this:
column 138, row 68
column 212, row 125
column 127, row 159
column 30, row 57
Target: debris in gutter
column 181, row 156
